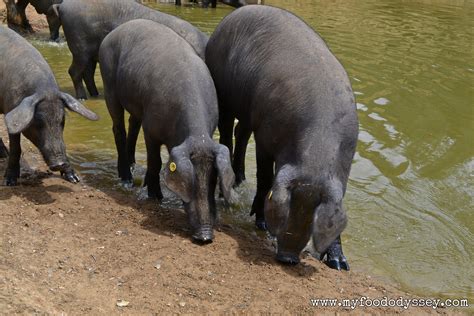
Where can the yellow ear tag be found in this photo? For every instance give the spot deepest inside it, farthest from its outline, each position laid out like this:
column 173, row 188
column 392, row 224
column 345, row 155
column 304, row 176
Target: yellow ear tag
column 270, row 195
column 172, row 167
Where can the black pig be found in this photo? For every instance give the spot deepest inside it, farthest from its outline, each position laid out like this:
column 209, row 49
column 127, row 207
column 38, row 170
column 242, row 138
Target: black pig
column 87, row 22
column 279, row 79
column 33, row 105
column 182, row 117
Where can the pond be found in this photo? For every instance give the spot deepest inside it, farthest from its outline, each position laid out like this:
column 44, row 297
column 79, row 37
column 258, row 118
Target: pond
column 411, row 189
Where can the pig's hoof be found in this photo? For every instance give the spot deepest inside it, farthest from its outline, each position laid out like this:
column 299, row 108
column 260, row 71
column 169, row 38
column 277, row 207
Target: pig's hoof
column 335, row 258
column 70, row 176
column 11, row 181
column 261, row 224
column 338, row 263
column 204, row 235
column 155, row 195
column 127, row 184
column 286, row 258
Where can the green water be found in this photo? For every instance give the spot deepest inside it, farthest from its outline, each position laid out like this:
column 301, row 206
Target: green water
column 411, row 190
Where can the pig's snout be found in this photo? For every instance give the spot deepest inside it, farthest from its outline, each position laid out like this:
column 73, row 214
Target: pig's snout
column 287, row 258
column 204, row 234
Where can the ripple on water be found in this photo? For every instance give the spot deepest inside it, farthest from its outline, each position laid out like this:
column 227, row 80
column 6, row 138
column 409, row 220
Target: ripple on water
column 382, row 101
column 361, row 107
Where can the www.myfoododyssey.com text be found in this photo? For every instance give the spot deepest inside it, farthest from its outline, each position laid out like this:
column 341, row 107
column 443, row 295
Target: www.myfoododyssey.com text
column 399, row 302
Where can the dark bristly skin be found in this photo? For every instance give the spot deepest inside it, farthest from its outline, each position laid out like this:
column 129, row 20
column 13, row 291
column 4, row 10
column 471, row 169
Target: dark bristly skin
column 232, row 3
column 45, row 7
column 141, row 61
column 33, row 105
column 3, row 149
column 87, row 22
column 279, row 79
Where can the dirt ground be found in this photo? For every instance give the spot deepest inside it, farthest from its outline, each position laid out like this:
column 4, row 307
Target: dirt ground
column 78, row 249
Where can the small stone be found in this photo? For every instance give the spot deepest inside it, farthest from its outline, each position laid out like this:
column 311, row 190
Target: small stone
column 61, row 215
column 121, row 232
column 158, row 265
column 122, row 303
column 182, row 304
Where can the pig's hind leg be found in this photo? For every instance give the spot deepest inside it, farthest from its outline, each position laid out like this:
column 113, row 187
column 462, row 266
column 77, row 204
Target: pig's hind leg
column 264, row 184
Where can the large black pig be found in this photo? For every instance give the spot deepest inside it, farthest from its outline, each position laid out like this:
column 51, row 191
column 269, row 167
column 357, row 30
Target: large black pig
column 279, row 79
column 87, row 22
column 33, row 105
column 182, row 117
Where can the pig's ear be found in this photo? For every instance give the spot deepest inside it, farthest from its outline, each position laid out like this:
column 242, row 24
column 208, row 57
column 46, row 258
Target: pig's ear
column 54, row 9
column 224, row 171
column 21, row 116
column 178, row 175
column 330, row 218
column 277, row 202
column 72, row 104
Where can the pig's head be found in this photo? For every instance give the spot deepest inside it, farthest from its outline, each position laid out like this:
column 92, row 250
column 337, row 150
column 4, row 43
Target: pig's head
column 297, row 208
column 191, row 173
column 41, row 119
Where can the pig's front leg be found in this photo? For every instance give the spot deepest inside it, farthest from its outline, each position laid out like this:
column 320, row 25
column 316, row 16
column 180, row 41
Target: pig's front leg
column 13, row 169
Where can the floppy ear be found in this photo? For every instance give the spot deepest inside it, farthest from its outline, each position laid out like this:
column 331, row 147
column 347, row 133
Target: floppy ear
column 224, row 171
column 21, row 116
column 330, row 218
column 54, row 8
column 72, row 104
column 178, row 175
column 277, row 202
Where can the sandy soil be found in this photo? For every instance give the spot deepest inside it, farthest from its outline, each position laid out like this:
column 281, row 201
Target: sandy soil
column 78, row 249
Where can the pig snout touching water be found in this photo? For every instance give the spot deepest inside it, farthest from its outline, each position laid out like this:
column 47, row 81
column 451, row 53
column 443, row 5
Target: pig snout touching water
column 33, row 106
column 279, row 79
column 182, row 117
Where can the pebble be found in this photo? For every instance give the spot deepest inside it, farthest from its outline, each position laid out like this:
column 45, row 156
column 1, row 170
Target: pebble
column 61, row 215
column 182, row 304
column 122, row 303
